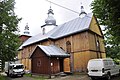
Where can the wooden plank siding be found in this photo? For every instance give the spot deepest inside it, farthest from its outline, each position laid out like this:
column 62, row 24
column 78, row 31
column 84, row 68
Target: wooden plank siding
column 42, row 64
column 95, row 27
column 84, row 46
column 80, row 44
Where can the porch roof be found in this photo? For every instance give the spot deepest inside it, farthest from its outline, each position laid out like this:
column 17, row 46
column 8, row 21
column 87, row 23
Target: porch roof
column 52, row 51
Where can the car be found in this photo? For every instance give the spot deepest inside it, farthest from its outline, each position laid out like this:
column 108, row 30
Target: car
column 104, row 68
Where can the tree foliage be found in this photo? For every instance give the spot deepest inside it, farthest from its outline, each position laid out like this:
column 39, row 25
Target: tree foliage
column 108, row 14
column 9, row 41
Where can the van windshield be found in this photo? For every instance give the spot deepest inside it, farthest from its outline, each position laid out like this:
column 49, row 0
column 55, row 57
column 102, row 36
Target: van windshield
column 95, row 63
column 18, row 67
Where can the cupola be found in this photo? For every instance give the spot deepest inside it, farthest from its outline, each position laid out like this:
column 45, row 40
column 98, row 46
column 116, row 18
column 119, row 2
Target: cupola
column 50, row 22
column 26, row 30
column 50, row 19
column 82, row 13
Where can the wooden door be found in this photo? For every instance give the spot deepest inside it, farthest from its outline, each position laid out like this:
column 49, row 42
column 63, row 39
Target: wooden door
column 67, row 65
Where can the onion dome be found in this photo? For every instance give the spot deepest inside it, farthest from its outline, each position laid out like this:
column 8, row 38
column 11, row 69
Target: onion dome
column 26, row 30
column 82, row 13
column 50, row 19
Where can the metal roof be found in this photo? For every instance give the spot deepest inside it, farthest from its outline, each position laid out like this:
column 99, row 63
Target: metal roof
column 73, row 26
column 68, row 28
column 53, row 51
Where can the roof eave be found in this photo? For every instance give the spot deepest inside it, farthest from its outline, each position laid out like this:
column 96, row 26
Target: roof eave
column 60, row 56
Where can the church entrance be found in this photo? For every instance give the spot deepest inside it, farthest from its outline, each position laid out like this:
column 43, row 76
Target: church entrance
column 61, row 65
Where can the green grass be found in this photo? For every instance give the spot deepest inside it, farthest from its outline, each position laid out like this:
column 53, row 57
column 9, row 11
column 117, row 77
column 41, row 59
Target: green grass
column 35, row 77
column 28, row 75
column 2, row 77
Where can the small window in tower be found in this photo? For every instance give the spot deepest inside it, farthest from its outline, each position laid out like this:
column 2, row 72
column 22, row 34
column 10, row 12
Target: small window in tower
column 43, row 30
column 98, row 45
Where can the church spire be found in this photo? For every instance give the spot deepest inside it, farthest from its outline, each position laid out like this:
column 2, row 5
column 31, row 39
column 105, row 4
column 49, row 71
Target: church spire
column 50, row 19
column 26, row 30
column 82, row 13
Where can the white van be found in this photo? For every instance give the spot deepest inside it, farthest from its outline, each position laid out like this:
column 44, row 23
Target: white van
column 12, row 69
column 102, row 68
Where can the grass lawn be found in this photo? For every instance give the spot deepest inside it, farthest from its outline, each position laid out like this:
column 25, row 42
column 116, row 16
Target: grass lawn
column 2, row 77
column 35, row 77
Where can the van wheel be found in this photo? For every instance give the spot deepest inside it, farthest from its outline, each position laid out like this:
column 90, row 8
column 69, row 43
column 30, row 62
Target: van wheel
column 8, row 74
column 108, row 76
column 11, row 75
column 21, row 75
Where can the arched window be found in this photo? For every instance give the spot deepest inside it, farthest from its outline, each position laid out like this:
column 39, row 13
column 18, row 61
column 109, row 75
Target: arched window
column 68, row 46
column 98, row 45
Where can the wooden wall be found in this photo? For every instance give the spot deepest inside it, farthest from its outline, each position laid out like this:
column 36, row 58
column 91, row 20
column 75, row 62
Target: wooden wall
column 81, row 59
column 55, row 65
column 94, row 26
column 42, row 64
column 83, row 48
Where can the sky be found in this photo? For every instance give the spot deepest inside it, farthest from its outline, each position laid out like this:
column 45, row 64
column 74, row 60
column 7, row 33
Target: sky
column 34, row 12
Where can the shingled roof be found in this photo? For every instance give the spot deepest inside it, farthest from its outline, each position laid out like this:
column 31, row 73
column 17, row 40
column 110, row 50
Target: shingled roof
column 68, row 28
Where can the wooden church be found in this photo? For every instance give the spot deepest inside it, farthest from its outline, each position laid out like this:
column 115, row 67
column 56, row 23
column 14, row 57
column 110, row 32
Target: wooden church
column 65, row 48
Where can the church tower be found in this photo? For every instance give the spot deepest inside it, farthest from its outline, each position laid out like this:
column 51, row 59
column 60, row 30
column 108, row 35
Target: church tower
column 25, row 35
column 50, row 22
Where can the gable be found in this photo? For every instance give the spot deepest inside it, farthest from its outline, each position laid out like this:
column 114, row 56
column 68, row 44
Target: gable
column 50, row 51
column 38, row 53
column 95, row 27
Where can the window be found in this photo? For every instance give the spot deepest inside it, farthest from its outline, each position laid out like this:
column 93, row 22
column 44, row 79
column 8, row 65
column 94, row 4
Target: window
column 39, row 63
column 68, row 46
column 62, row 48
column 98, row 45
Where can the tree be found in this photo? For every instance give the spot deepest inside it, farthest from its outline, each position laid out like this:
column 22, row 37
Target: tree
column 108, row 14
column 9, row 41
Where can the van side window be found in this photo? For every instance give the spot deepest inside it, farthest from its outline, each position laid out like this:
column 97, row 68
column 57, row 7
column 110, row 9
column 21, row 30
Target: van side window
column 106, row 62
column 110, row 62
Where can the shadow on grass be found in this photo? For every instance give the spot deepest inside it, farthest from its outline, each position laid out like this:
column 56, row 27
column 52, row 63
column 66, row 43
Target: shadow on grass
column 4, row 78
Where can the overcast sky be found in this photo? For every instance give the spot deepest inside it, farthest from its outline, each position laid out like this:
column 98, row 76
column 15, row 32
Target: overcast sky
column 34, row 12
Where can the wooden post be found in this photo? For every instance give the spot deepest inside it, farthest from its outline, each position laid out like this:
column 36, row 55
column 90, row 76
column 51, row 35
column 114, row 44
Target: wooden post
column 49, row 67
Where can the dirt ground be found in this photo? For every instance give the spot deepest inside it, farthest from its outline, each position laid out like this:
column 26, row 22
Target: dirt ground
column 68, row 77
column 72, row 77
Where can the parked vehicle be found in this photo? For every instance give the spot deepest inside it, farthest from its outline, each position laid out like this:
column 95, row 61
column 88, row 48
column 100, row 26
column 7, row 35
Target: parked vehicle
column 12, row 69
column 102, row 68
